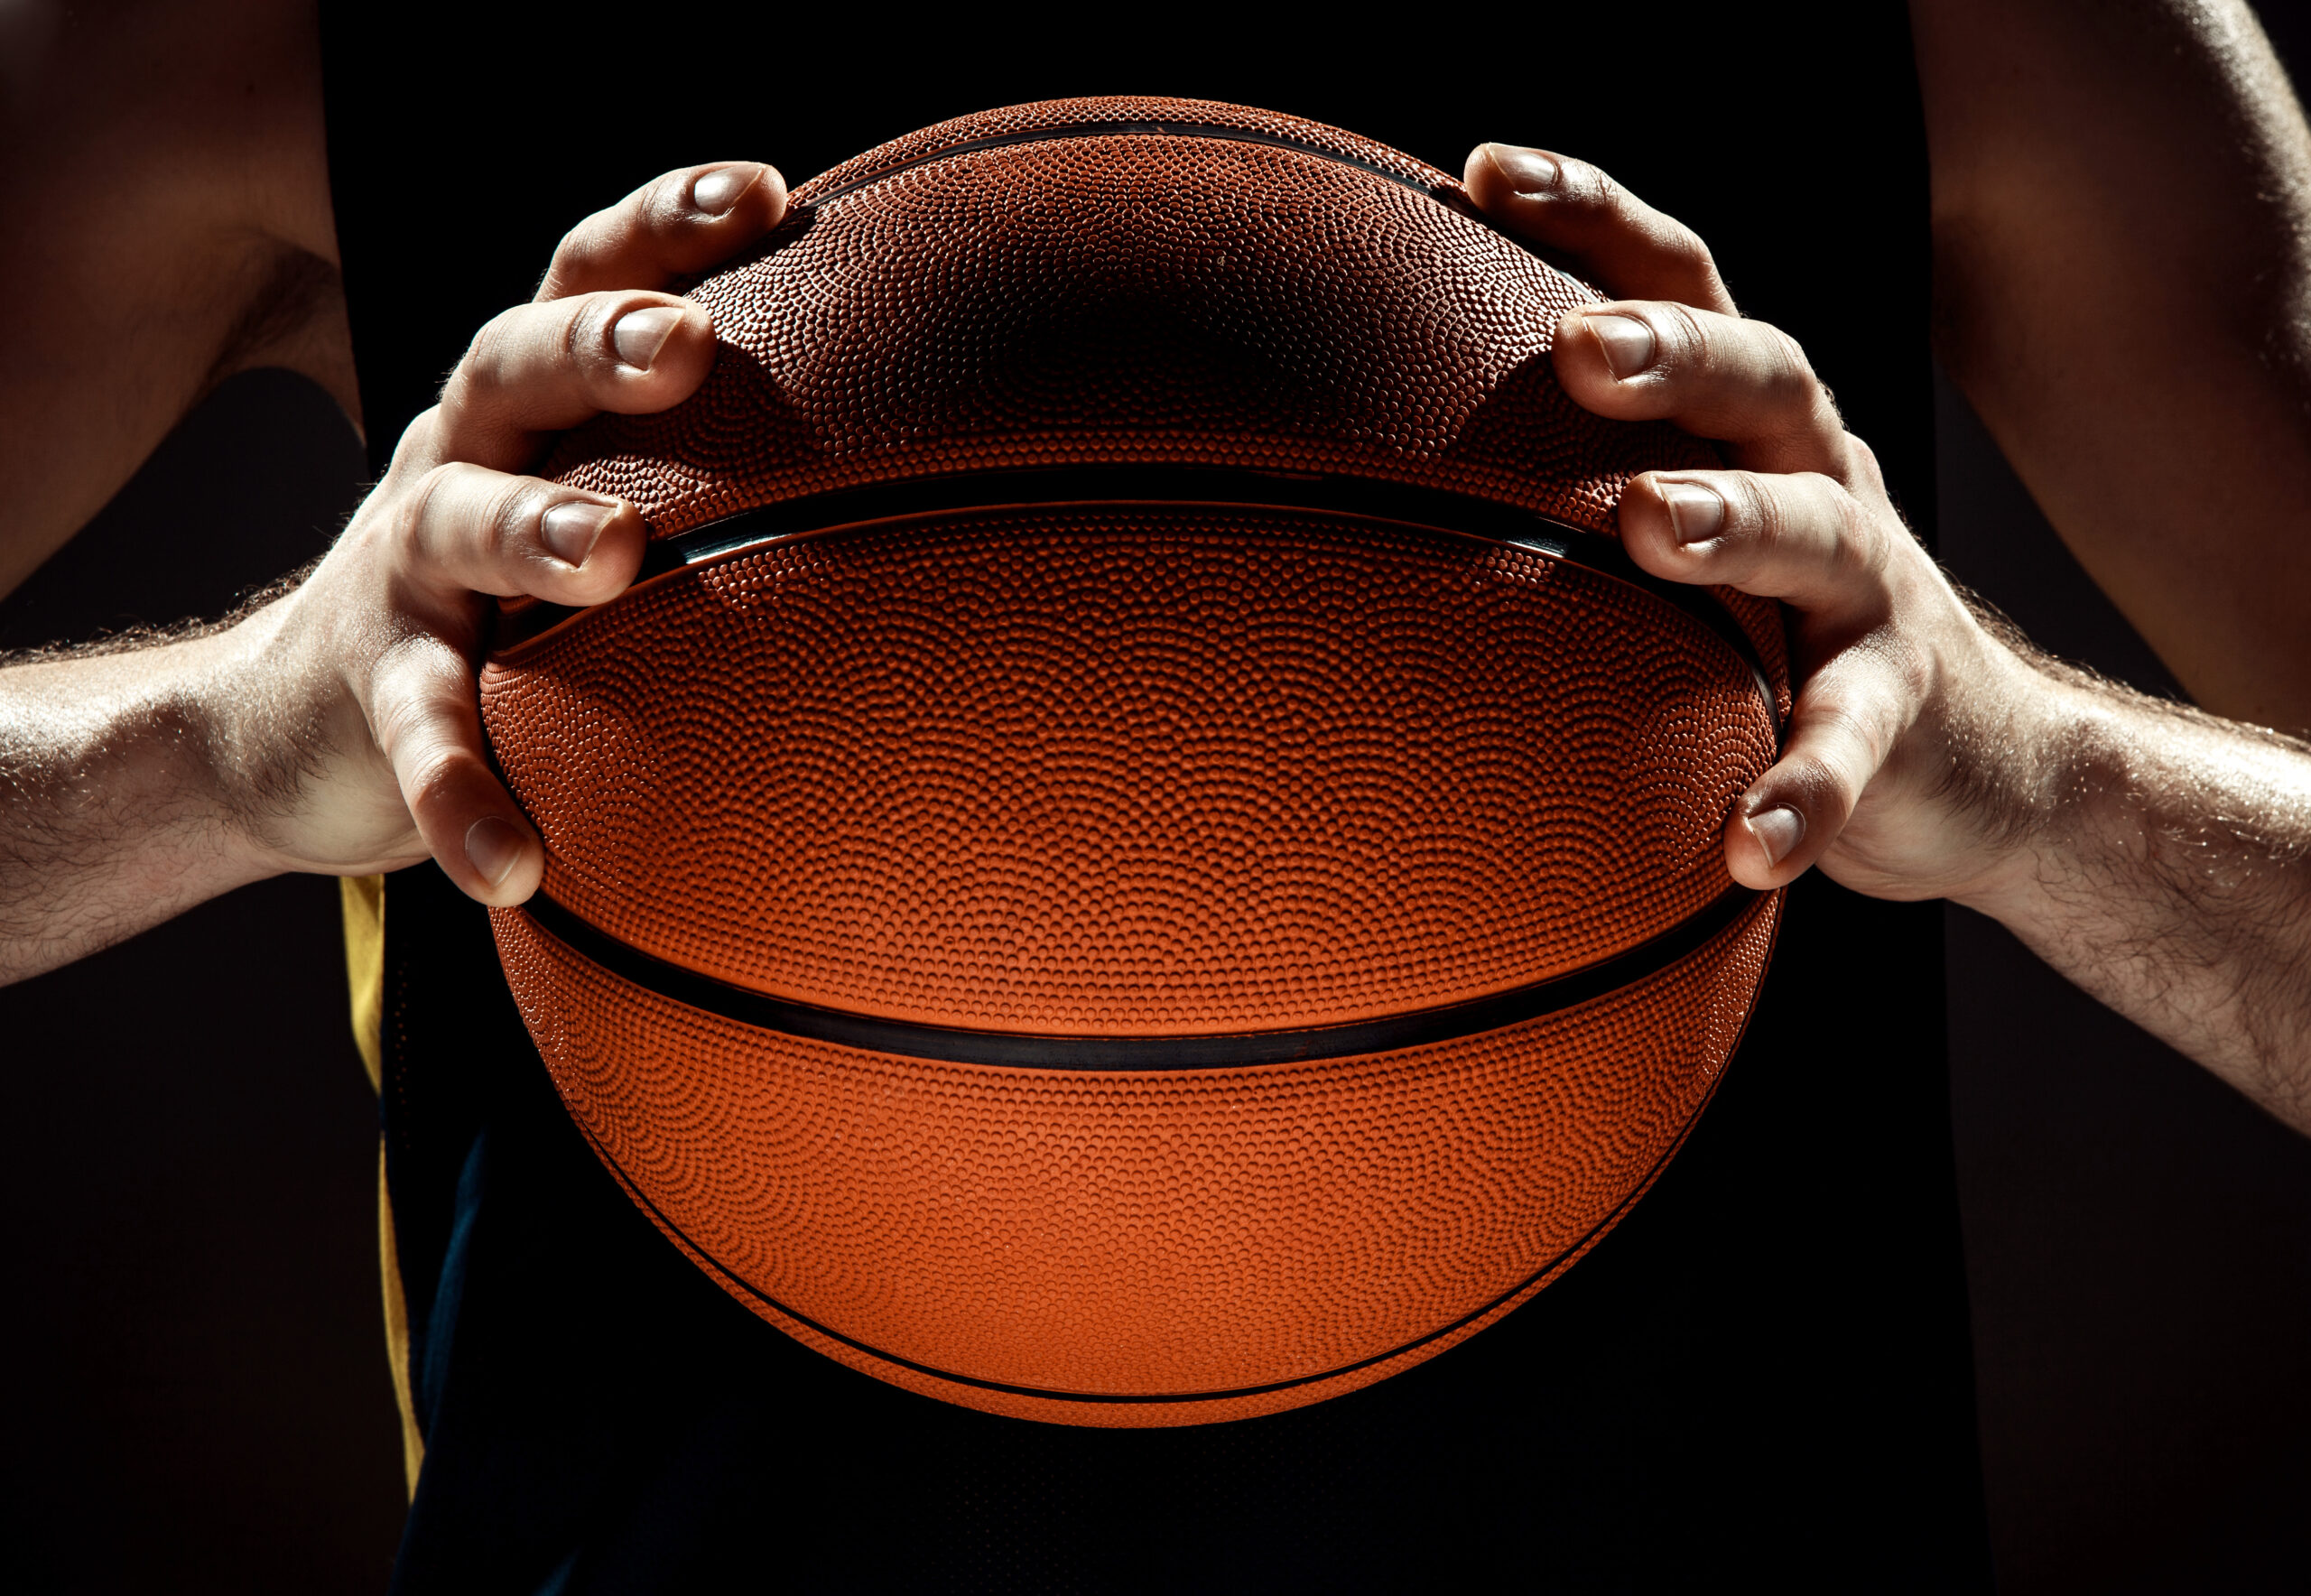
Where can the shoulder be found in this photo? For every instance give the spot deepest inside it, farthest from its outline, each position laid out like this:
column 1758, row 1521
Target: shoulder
column 167, row 168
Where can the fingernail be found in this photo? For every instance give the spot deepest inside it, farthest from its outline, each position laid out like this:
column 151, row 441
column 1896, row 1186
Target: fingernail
column 1777, row 830
column 571, row 530
column 639, row 335
column 1628, row 343
column 717, row 191
column 1695, row 513
column 1531, row 173
column 495, row 847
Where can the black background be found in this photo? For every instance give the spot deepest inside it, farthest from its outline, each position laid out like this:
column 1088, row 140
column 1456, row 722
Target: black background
column 199, row 1400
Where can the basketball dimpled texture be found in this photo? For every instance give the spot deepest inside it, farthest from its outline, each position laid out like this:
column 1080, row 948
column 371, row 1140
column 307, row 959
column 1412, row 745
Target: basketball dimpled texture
column 1133, row 769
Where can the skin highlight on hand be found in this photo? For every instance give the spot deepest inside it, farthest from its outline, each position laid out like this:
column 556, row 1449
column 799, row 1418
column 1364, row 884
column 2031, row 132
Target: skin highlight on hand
column 1696, row 511
column 667, row 229
column 717, row 192
column 456, row 523
column 335, row 727
column 2159, row 858
column 639, row 335
column 1625, row 343
column 1585, row 221
column 496, row 849
column 1774, row 832
column 570, row 531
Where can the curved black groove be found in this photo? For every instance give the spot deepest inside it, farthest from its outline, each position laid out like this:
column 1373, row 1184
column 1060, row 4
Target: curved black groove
column 715, row 1267
column 955, row 1045
column 1103, row 487
column 1437, row 511
column 1236, row 135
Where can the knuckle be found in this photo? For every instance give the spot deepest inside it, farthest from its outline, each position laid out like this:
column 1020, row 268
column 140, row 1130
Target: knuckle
column 1856, row 555
column 665, row 203
column 1857, row 529
column 611, row 229
column 1863, row 530
column 1861, row 465
column 508, row 511
column 1792, row 356
column 436, row 774
column 416, row 441
column 1760, row 514
column 1819, row 780
column 1789, row 374
column 1852, row 739
column 491, row 348
column 480, row 372
column 582, row 340
column 417, row 681
column 396, row 671
column 1878, row 687
column 423, row 505
column 578, row 255
column 1686, row 341
column 1686, row 245
column 1583, row 187
column 575, row 248
column 1913, row 668
column 464, row 506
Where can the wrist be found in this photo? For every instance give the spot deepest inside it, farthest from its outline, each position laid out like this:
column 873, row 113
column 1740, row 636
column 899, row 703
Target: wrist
column 301, row 782
column 179, row 737
column 2030, row 771
column 257, row 697
column 2079, row 755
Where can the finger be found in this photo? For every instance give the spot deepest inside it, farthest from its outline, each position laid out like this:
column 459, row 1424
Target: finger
column 1847, row 719
column 424, row 714
column 468, row 529
column 1744, row 384
column 543, row 369
column 1574, row 212
column 1804, row 540
column 682, row 223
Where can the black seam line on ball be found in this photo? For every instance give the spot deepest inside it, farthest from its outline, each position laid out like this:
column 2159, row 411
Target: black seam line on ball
column 1172, row 487
column 1012, row 1050
column 717, row 1266
column 1037, row 136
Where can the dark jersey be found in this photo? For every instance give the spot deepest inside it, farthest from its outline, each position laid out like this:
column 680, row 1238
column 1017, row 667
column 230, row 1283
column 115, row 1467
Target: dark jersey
column 1764, row 1369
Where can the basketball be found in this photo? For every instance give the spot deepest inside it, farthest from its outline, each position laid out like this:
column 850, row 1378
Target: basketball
column 1138, row 854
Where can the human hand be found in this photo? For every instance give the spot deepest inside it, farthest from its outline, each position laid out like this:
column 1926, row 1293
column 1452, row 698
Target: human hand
column 1896, row 775
column 358, row 740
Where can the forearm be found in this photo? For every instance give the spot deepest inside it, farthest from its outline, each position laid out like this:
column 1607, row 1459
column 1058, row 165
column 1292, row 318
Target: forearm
column 2123, row 256
column 129, row 787
column 2164, row 865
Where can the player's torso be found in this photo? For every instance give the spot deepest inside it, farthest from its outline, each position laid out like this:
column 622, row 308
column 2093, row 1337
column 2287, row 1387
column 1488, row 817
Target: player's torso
column 1766, row 1366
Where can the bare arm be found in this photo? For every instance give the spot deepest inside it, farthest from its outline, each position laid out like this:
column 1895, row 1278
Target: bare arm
column 2122, row 261
column 2161, row 859
column 335, row 728
column 137, row 783
column 163, row 169
column 2154, row 855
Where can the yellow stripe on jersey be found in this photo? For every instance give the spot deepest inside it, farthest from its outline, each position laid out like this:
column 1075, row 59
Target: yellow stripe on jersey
column 363, row 898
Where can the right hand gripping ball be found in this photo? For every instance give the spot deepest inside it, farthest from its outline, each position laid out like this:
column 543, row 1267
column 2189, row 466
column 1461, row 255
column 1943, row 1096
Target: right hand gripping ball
column 1140, row 856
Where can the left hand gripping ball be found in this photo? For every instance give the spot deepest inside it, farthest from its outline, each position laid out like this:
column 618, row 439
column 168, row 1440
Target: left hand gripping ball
column 1140, row 856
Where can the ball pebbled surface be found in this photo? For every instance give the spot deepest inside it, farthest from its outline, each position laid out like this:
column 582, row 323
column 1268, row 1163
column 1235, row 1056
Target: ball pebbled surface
column 1127, row 298
column 1146, row 769
column 1150, row 771
column 1184, row 1236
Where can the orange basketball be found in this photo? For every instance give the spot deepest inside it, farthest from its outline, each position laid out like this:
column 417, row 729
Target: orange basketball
column 1139, row 855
